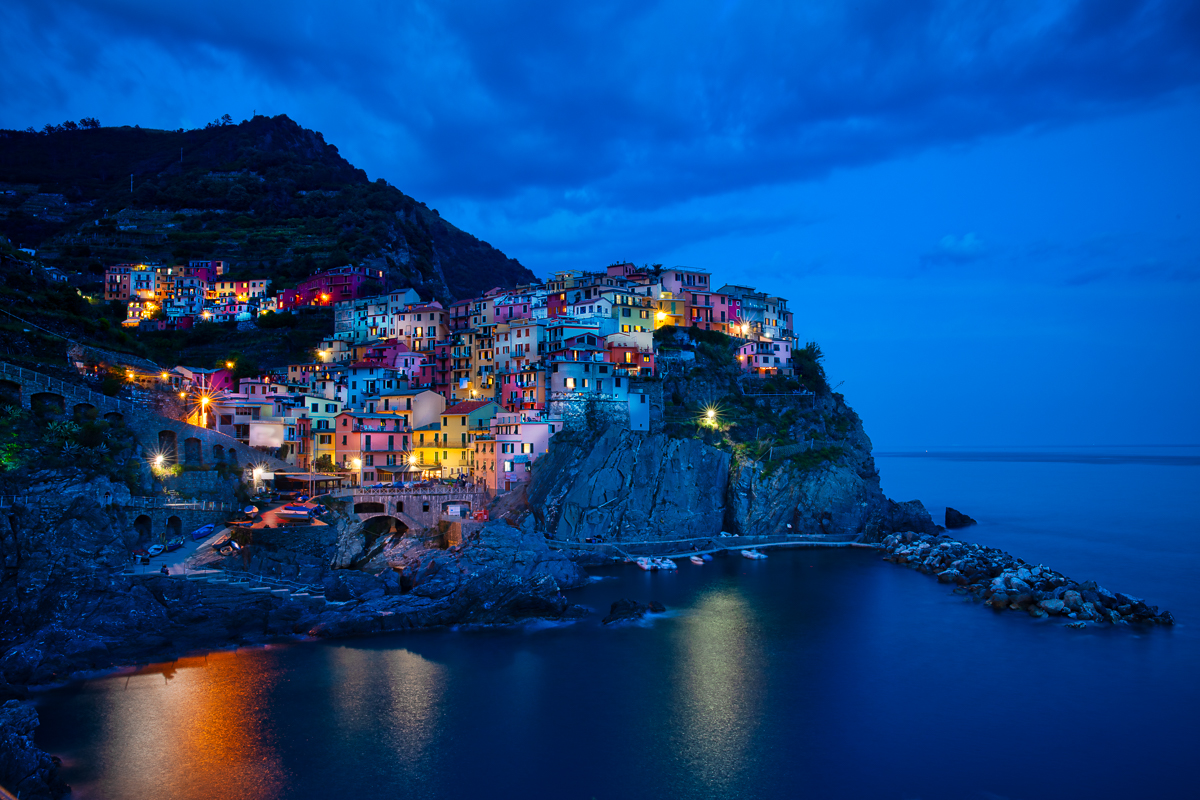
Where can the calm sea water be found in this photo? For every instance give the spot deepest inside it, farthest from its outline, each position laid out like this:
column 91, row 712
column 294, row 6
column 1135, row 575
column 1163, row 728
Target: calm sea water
column 816, row 674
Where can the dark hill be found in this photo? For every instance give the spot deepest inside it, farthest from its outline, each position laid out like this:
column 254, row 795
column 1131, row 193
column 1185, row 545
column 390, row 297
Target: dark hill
column 268, row 195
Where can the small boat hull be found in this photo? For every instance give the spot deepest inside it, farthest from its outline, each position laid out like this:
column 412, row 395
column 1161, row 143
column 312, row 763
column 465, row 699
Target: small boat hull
column 156, row 550
column 697, row 560
column 753, row 554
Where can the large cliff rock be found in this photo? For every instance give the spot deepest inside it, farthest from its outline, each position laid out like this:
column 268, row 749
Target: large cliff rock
column 631, row 486
column 626, row 486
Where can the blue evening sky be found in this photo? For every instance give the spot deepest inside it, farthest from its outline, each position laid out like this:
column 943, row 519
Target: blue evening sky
column 987, row 214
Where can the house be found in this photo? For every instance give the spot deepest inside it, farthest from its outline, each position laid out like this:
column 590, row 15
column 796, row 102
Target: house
column 517, row 439
column 364, row 441
column 460, row 424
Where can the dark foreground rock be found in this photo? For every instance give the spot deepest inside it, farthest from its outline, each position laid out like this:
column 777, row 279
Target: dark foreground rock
column 25, row 770
column 957, row 519
column 1007, row 583
column 630, row 610
column 67, row 606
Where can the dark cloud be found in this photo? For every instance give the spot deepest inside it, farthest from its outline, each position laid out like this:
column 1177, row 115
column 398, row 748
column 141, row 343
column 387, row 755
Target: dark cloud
column 621, row 104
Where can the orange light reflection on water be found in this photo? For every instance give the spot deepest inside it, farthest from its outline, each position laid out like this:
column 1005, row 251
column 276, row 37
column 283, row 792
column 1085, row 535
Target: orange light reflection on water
column 196, row 728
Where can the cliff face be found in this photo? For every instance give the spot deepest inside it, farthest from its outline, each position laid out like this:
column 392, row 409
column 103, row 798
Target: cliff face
column 627, row 486
column 630, row 486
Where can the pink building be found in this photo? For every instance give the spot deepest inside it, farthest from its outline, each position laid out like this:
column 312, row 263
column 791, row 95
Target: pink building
column 766, row 357
column 331, row 286
column 503, row 460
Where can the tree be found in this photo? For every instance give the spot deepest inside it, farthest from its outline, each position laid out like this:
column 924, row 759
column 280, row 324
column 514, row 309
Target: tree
column 226, row 120
column 323, row 463
column 807, row 363
column 90, row 123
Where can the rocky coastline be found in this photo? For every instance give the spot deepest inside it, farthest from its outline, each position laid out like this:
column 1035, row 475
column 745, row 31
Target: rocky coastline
column 1006, row 583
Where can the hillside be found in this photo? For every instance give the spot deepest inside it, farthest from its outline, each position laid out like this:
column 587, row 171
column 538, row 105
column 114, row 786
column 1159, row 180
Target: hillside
column 267, row 195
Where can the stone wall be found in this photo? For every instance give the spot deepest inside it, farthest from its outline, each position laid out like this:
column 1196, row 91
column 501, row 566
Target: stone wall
column 203, row 485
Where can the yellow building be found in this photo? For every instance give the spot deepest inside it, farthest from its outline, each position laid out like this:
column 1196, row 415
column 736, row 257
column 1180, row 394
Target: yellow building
column 460, row 426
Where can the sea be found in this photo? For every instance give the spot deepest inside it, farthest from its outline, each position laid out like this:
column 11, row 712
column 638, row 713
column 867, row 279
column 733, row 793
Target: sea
column 811, row 674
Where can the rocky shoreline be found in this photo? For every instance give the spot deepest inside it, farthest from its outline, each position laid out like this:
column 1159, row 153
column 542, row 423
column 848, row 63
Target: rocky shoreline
column 1005, row 582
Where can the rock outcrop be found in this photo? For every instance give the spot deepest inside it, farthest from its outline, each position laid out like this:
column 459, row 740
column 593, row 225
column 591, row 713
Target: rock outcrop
column 26, row 770
column 629, row 486
column 1007, row 583
column 68, row 606
column 956, row 519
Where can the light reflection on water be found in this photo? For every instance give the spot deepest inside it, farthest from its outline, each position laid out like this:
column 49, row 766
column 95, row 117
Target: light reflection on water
column 719, row 692
column 213, row 716
column 815, row 674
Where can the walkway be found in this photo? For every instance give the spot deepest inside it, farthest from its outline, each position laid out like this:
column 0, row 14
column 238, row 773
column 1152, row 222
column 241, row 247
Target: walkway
column 682, row 548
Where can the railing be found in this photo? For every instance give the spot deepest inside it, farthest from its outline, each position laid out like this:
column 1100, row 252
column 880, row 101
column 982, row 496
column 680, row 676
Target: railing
column 135, row 501
column 24, row 376
column 700, row 544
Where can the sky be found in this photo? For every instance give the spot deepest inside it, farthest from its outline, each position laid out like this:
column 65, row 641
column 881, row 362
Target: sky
column 986, row 213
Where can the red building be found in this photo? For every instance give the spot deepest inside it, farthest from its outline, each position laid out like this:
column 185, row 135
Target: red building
column 332, row 286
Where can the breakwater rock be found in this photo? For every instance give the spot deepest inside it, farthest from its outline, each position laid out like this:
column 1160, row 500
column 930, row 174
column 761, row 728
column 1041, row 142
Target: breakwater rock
column 957, row 519
column 26, row 770
column 1008, row 583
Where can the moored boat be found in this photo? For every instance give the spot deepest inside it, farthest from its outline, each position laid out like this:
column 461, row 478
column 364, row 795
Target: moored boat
column 294, row 511
column 175, row 544
column 707, row 557
column 696, row 560
column 753, row 554
column 666, row 563
column 646, row 564
column 156, row 549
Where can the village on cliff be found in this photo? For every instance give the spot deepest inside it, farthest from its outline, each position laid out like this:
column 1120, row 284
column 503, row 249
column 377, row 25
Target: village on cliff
column 404, row 388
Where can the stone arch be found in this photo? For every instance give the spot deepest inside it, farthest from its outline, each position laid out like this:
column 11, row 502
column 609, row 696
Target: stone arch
column 84, row 412
column 48, row 404
column 233, row 456
column 143, row 526
column 218, row 452
column 174, row 526
column 369, row 507
column 192, row 451
column 383, row 525
column 168, row 446
column 400, row 506
column 115, row 418
column 10, row 393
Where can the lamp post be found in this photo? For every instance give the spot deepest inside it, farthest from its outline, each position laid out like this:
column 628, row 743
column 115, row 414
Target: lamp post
column 357, row 464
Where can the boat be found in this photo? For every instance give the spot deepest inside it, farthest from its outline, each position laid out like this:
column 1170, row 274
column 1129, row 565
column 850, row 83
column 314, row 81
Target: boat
column 202, row 531
column 696, row 560
column 707, row 557
column 251, row 510
column 156, row 549
column 753, row 554
column 302, row 498
column 646, row 564
column 175, row 544
column 666, row 563
column 294, row 511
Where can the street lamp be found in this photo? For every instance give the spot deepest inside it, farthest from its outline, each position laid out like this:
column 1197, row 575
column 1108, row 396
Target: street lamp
column 228, row 365
column 357, row 464
column 158, row 461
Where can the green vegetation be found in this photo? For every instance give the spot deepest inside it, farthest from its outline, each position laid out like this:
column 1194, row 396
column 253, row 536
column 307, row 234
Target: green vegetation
column 266, row 195
column 42, row 439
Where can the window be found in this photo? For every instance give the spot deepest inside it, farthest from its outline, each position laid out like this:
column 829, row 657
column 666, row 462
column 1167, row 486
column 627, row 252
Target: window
column 325, row 439
column 343, row 441
column 568, row 382
column 367, row 444
column 369, row 461
column 345, row 420
column 508, row 466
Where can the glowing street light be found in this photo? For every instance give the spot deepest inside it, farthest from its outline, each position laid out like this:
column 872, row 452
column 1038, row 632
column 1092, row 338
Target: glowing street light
column 711, row 414
column 412, row 459
column 158, row 461
column 228, row 365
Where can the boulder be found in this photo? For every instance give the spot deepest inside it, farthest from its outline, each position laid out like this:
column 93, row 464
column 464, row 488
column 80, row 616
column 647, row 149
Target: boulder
column 625, row 611
column 1073, row 600
column 957, row 519
column 1052, row 606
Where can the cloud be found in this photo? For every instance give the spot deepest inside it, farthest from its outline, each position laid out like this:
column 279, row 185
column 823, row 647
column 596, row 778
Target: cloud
column 616, row 104
column 956, row 250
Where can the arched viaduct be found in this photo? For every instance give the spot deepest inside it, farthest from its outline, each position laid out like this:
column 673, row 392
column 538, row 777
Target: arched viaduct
column 176, row 441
